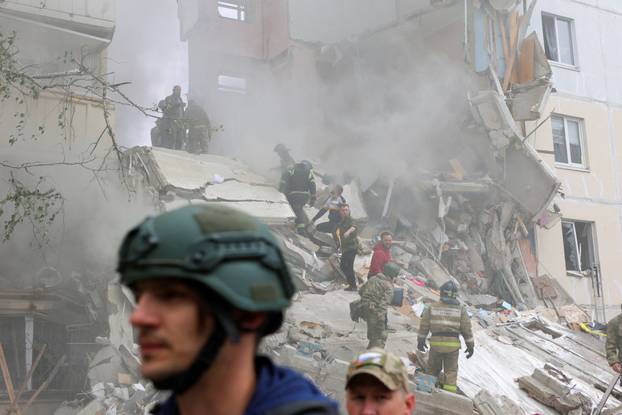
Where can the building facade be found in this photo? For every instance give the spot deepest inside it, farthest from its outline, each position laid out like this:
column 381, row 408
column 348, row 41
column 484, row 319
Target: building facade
column 580, row 138
column 46, row 329
column 51, row 40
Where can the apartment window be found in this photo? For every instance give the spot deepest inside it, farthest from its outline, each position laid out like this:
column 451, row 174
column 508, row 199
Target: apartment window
column 228, row 83
column 578, row 245
column 568, row 141
column 559, row 39
column 241, row 10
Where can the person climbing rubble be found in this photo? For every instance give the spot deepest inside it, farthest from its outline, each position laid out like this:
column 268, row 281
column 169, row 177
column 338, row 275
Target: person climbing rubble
column 209, row 282
column 376, row 295
column 298, row 185
column 446, row 320
column 613, row 346
column 382, row 254
column 347, row 241
column 377, row 383
column 331, row 205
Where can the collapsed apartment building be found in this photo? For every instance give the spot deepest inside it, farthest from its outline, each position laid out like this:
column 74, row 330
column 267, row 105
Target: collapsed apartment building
column 469, row 215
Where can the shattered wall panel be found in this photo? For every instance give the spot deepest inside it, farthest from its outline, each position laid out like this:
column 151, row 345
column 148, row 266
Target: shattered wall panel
column 191, row 171
column 531, row 182
column 237, row 191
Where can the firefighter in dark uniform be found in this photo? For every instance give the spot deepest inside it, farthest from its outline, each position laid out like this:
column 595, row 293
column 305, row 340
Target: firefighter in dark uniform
column 298, row 185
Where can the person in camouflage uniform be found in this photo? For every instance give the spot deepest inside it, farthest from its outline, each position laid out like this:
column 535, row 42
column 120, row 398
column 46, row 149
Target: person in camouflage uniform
column 613, row 347
column 446, row 320
column 376, row 295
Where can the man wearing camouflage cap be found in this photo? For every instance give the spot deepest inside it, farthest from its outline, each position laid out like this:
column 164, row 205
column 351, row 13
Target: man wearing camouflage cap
column 377, row 384
column 209, row 283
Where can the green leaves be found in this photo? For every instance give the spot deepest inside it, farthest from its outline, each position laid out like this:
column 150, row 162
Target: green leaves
column 21, row 203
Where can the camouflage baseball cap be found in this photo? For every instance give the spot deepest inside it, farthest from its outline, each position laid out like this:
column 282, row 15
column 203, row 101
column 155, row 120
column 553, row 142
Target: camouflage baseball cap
column 384, row 366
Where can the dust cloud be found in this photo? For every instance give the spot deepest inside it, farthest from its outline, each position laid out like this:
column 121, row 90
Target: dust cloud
column 388, row 106
column 146, row 50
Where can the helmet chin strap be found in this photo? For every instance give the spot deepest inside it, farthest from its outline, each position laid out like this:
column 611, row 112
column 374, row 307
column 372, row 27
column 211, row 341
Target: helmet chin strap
column 224, row 327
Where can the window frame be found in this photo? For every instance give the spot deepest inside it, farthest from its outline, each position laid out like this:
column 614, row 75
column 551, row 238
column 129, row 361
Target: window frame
column 232, row 89
column 241, row 7
column 592, row 247
column 582, row 143
column 573, row 40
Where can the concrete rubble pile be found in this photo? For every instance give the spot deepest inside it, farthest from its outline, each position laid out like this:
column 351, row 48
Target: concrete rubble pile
column 318, row 336
column 524, row 363
column 112, row 384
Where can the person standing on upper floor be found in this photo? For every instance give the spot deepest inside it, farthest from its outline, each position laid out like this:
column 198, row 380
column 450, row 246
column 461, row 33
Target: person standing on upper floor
column 446, row 320
column 172, row 130
column 332, row 206
column 199, row 128
column 382, row 254
column 347, row 238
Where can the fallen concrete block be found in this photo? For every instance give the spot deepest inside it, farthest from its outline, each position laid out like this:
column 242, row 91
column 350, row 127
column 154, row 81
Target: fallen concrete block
column 442, row 402
column 488, row 404
column 551, row 392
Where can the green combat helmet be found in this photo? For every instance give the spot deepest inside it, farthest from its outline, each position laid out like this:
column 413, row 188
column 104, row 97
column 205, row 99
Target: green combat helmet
column 391, row 269
column 232, row 255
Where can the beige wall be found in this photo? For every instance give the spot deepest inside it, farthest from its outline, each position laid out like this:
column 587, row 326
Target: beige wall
column 592, row 195
column 84, row 121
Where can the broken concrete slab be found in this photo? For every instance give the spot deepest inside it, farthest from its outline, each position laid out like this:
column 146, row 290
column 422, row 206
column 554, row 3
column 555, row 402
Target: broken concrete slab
column 193, row 171
column 105, row 365
column 482, row 300
column 488, row 404
column 442, row 402
column 434, row 272
column 490, row 109
column 234, row 191
column 551, row 392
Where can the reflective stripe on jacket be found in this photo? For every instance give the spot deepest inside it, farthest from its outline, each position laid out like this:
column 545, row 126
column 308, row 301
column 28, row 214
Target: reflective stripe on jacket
column 446, row 322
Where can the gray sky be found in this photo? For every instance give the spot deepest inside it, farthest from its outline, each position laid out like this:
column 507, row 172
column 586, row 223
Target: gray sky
column 146, row 51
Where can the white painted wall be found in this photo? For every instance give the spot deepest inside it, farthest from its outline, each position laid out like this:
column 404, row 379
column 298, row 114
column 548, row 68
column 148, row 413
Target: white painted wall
column 69, row 9
column 331, row 21
column 592, row 92
column 598, row 35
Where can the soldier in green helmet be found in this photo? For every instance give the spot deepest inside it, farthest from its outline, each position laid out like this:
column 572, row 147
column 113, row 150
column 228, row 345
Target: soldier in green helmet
column 209, row 283
column 376, row 295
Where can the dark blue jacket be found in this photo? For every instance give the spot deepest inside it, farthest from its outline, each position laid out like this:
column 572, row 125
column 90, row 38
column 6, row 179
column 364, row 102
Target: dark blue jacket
column 279, row 391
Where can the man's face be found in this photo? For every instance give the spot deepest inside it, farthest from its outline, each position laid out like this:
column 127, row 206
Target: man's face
column 387, row 241
column 345, row 211
column 170, row 332
column 366, row 395
column 177, row 91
